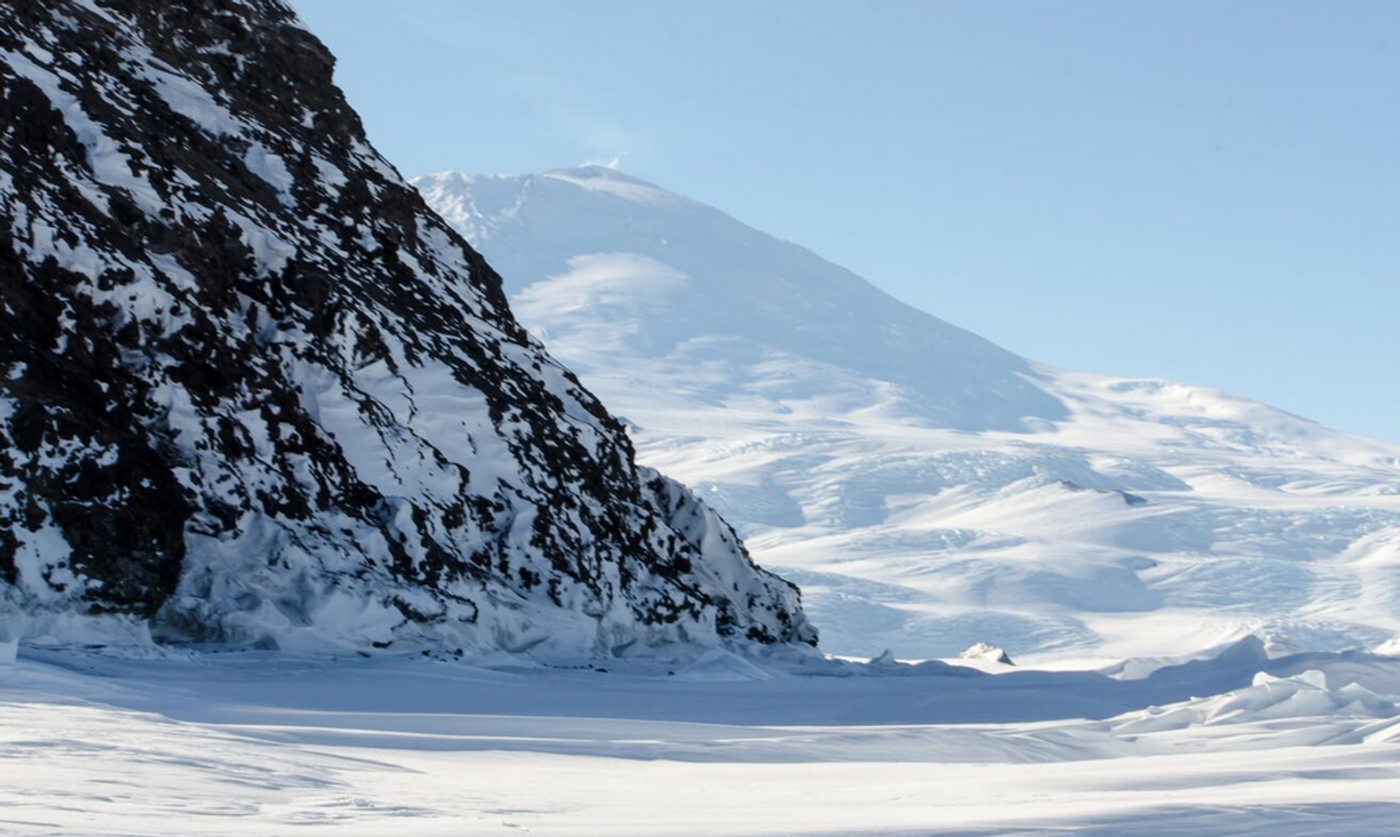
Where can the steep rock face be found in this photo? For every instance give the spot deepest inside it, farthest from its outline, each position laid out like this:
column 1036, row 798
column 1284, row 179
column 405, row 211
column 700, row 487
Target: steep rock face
column 252, row 390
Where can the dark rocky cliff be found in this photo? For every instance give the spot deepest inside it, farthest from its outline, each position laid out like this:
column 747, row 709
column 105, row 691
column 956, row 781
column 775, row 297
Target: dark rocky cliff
column 253, row 391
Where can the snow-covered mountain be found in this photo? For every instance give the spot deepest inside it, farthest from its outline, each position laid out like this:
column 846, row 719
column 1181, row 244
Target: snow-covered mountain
column 253, row 390
column 927, row 488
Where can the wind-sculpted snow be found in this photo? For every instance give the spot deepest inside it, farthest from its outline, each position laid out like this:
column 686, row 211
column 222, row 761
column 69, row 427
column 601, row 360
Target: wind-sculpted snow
column 252, row 390
column 257, row 743
column 928, row 489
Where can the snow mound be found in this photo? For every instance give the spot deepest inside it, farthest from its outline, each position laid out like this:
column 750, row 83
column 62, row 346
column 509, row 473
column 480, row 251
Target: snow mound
column 989, row 653
column 1269, row 697
column 884, row 658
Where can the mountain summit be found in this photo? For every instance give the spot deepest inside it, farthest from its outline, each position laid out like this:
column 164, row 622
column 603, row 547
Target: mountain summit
column 685, row 276
column 252, row 390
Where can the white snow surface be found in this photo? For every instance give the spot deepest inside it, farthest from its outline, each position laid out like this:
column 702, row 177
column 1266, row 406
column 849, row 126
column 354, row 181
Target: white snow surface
column 259, row 743
column 926, row 488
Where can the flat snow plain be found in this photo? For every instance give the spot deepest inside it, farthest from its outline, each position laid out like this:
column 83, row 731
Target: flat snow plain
column 261, row 743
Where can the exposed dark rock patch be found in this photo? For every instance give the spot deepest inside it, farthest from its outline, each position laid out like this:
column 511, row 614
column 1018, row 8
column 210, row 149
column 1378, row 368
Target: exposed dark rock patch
column 253, row 390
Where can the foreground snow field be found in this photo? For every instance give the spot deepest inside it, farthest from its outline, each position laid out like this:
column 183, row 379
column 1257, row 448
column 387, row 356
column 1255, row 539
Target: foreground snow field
column 260, row 743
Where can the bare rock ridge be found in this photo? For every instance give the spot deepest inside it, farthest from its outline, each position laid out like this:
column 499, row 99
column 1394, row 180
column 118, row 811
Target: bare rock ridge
column 253, row 391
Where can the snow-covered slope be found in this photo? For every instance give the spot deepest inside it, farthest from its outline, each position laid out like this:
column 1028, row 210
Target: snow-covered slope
column 252, row 390
column 928, row 489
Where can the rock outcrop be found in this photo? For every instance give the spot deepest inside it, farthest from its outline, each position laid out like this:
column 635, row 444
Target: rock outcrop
column 253, row 391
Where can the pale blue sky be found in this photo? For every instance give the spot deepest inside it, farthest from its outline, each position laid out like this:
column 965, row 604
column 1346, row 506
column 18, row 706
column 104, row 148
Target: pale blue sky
column 1206, row 191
